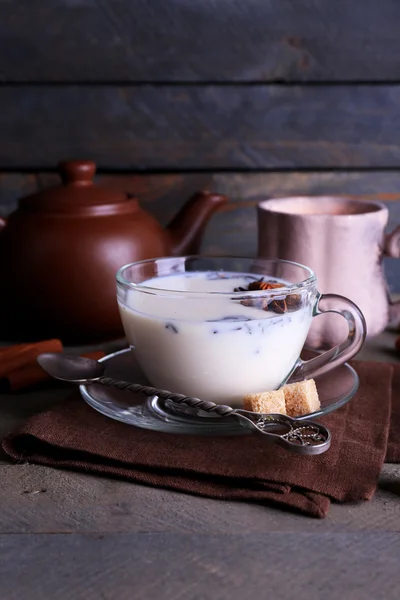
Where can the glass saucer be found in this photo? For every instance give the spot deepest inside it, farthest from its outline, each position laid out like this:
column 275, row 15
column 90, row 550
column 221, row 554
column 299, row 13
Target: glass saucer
column 334, row 389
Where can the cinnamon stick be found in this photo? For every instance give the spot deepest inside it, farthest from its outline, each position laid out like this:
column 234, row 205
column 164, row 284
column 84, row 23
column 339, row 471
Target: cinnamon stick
column 17, row 357
column 32, row 374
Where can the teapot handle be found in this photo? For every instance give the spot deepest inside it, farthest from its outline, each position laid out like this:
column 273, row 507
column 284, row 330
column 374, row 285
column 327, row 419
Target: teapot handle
column 391, row 248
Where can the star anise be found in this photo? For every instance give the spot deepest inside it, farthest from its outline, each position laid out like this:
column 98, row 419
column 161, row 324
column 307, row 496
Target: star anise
column 279, row 306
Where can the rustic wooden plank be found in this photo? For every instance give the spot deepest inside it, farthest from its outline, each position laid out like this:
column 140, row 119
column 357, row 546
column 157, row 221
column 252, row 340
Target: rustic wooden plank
column 234, row 229
column 163, row 194
column 201, row 127
column 193, row 40
column 40, row 500
column 227, row 567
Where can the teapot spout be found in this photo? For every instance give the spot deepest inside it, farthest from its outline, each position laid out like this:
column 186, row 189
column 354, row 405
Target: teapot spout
column 186, row 229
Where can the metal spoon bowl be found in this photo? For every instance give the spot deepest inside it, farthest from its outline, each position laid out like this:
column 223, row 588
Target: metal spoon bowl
column 68, row 367
column 301, row 437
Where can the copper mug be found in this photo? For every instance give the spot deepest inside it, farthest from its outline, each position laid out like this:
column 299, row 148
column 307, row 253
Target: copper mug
column 344, row 242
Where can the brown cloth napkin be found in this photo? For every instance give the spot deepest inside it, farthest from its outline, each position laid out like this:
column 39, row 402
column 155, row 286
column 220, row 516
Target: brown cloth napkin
column 74, row 436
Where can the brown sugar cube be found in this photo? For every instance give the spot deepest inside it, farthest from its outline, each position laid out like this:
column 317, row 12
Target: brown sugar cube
column 266, row 402
column 301, row 398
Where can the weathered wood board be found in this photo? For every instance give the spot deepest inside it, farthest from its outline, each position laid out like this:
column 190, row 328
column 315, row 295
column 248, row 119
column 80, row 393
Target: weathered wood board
column 199, row 40
column 234, row 229
column 201, row 127
column 194, row 567
column 163, row 194
column 40, row 500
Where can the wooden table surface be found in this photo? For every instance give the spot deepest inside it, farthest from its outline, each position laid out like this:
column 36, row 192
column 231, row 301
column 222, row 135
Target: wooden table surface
column 65, row 535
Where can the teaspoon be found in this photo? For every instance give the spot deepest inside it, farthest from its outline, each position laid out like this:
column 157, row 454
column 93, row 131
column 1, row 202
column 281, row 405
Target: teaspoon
column 301, row 437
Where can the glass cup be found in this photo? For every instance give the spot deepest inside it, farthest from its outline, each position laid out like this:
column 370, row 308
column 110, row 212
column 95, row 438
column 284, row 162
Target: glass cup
column 218, row 328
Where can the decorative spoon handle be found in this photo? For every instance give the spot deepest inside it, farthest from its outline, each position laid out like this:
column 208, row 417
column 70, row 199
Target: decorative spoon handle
column 302, row 437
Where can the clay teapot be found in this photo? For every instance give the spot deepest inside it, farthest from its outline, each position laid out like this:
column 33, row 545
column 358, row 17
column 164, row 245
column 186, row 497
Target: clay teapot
column 61, row 248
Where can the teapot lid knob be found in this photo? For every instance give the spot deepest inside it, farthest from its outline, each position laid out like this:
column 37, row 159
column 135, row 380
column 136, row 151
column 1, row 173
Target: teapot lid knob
column 79, row 172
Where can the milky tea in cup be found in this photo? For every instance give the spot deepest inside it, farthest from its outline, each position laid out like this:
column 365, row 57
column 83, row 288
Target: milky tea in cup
column 216, row 328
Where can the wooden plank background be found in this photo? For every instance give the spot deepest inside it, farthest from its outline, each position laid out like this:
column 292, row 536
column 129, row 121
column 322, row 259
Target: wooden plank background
column 145, row 565
column 255, row 99
column 199, row 40
column 207, row 127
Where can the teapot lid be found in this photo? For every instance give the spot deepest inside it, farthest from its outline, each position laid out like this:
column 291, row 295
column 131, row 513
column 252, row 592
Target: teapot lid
column 77, row 190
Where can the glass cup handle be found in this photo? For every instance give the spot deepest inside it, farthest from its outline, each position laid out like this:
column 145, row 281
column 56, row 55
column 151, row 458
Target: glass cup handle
column 336, row 356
